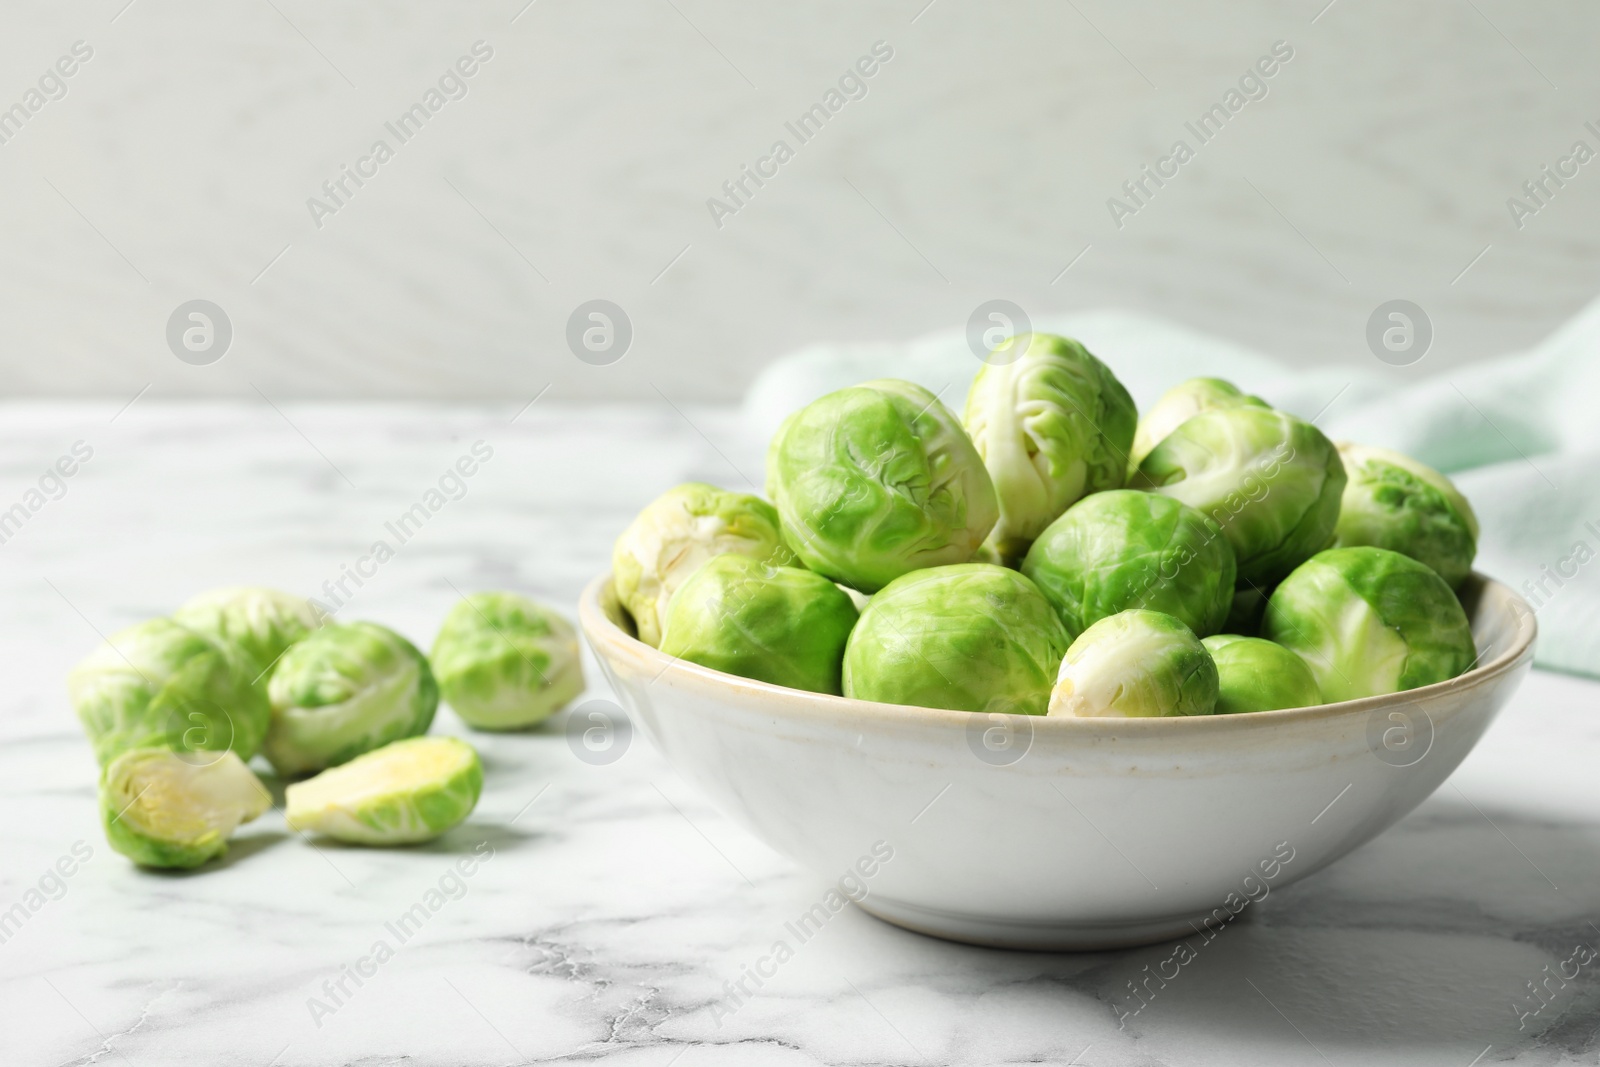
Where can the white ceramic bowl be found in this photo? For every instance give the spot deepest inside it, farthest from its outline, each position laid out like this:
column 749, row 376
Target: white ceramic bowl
column 1058, row 833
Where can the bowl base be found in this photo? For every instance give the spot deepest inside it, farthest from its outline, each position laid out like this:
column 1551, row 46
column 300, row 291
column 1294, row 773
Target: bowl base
column 1041, row 936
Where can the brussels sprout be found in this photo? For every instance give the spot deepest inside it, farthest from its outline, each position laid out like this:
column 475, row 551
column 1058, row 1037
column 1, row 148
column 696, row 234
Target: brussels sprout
column 162, row 685
column 775, row 624
column 1369, row 621
column 345, row 690
column 1258, row 675
column 678, row 531
column 504, row 662
column 262, row 622
column 177, row 809
column 1052, row 424
column 1180, row 404
column 1125, row 549
column 968, row 637
column 1136, row 664
column 1271, row 481
column 1394, row 502
column 878, row 480
column 400, row 794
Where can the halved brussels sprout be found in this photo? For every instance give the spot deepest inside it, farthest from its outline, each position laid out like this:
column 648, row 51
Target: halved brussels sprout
column 1180, row 404
column 1392, row 501
column 1052, row 424
column 162, row 685
column 1258, row 675
column 346, row 689
column 878, row 480
column 1271, row 481
column 401, row 794
column 177, row 809
column 1125, row 549
column 776, row 624
column 505, row 662
column 262, row 622
column 1369, row 621
column 678, row 531
column 1135, row 664
column 968, row 637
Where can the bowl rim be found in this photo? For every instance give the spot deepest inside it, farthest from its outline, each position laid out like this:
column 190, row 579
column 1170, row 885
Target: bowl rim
column 601, row 631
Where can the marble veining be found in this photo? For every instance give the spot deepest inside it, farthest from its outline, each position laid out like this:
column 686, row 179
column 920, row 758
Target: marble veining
column 609, row 908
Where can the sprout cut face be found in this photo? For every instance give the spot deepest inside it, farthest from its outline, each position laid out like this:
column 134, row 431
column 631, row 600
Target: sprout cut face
column 878, row 480
column 1125, row 549
column 1271, row 481
column 262, row 622
column 177, row 809
column 1180, row 404
column 162, row 685
column 345, row 690
column 401, row 794
column 1258, row 675
column 775, row 624
column 505, row 662
column 1052, row 424
column 1392, row 501
column 679, row 531
column 1368, row 621
column 1137, row 664
column 969, row 637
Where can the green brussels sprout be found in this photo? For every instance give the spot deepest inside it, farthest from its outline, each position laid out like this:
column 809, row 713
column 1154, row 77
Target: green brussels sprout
column 1369, row 621
column 968, row 637
column 177, row 809
column 1124, row 549
column 1270, row 480
column 1245, row 611
column 401, row 794
column 1258, row 675
column 504, row 662
column 1394, row 502
column 678, row 531
column 775, row 624
column 1180, row 404
column 1135, row 664
column 162, row 685
column 262, row 622
column 878, row 480
column 346, row 689
column 1052, row 424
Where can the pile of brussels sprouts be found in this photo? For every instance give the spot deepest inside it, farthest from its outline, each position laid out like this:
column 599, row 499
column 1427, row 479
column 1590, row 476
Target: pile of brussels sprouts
column 175, row 707
column 1052, row 552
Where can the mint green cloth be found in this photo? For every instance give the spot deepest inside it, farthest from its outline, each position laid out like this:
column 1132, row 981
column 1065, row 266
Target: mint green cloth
column 1519, row 435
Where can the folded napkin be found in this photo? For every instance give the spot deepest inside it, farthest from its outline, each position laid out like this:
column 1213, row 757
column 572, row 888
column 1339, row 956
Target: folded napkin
column 1519, row 435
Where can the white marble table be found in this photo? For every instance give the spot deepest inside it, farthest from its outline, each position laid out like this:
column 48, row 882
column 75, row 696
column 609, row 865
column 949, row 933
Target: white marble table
column 617, row 902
